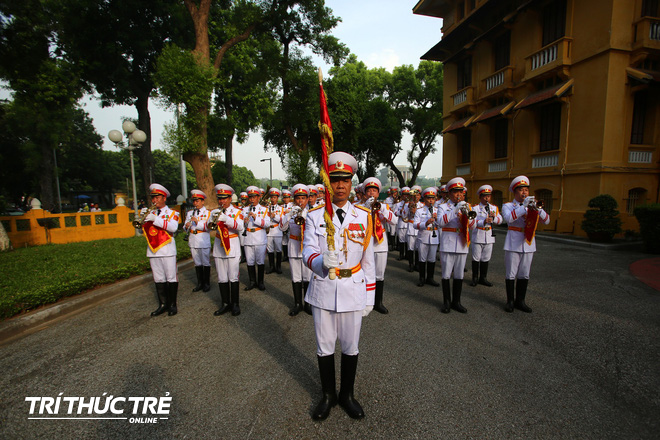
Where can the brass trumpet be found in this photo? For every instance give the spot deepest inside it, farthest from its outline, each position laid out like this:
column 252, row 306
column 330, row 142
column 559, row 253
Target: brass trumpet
column 469, row 212
column 536, row 204
column 299, row 219
column 137, row 224
column 212, row 224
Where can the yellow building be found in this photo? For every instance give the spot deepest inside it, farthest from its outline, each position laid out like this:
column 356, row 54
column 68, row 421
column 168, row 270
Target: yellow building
column 566, row 92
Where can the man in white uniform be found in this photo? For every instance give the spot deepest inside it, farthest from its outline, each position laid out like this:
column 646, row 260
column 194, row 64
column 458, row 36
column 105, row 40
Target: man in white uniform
column 159, row 227
column 426, row 222
column 522, row 216
column 274, row 244
column 402, row 224
column 287, row 204
column 483, row 237
column 342, row 288
column 256, row 220
column 199, row 240
column 454, row 243
column 226, row 249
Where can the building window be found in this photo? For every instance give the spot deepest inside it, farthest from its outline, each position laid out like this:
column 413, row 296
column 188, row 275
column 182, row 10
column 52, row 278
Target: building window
column 497, row 199
column 639, row 117
column 650, row 8
column 464, row 73
column 550, row 122
column 554, row 21
column 502, row 50
column 501, row 137
column 464, row 144
column 636, row 197
column 545, row 196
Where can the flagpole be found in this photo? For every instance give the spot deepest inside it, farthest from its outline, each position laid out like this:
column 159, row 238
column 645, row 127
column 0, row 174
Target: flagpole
column 325, row 128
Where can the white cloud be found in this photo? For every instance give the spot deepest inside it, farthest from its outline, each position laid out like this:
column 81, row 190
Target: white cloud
column 386, row 58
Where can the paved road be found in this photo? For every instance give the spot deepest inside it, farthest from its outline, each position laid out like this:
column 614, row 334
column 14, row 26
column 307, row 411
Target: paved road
column 584, row 365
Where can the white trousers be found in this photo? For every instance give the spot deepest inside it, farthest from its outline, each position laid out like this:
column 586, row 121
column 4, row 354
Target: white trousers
column 401, row 233
column 517, row 264
column 412, row 242
column 201, row 256
column 164, row 269
column 299, row 272
column 427, row 252
column 452, row 262
column 274, row 244
column 285, row 239
column 380, row 258
column 330, row 326
column 255, row 254
column 481, row 252
column 227, row 269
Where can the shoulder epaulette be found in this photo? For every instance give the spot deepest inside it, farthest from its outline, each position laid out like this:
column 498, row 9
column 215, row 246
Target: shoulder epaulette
column 315, row 208
column 363, row 208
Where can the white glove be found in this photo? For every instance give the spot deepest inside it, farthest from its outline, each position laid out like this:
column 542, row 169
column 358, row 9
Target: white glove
column 222, row 218
column 370, row 201
column 458, row 206
column 367, row 310
column 143, row 210
column 330, row 259
column 383, row 208
column 528, row 200
column 295, row 211
column 151, row 217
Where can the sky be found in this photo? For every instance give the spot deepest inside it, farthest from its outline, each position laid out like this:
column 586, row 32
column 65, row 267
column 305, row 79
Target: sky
column 382, row 33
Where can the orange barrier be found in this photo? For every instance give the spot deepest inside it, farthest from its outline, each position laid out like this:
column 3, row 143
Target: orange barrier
column 38, row 226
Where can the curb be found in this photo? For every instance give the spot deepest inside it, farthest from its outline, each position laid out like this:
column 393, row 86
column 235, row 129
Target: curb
column 33, row 321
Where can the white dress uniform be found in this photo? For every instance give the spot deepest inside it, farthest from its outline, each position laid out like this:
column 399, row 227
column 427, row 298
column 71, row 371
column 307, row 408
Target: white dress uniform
column 391, row 227
column 227, row 263
column 518, row 253
column 286, row 208
column 163, row 261
column 199, row 239
column 428, row 235
column 482, row 236
column 255, row 241
column 274, row 239
column 299, row 272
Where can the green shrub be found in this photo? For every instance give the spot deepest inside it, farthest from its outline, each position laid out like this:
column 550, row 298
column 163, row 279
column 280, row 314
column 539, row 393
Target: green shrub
column 649, row 226
column 601, row 222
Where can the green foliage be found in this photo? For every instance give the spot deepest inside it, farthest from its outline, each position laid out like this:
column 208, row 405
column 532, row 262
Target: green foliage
column 41, row 275
column 602, row 220
column 647, row 215
column 241, row 176
column 299, row 168
column 167, row 172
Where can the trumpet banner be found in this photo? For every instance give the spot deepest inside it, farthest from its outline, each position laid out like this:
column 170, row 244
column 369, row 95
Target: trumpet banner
column 223, row 235
column 531, row 222
column 156, row 237
column 465, row 230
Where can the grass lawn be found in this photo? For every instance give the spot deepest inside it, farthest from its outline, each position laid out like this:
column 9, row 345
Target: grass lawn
column 35, row 276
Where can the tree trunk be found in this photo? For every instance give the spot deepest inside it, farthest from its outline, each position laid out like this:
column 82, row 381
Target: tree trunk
column 46, row 177
column 144, row 152
column 202, row 166
column 5, row 242
column 229, row 160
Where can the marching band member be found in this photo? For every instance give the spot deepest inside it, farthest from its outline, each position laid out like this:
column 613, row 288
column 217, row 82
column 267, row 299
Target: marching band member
column 159, row 226
column 339, row 302
column 300, row 274
column 522, row 216
column 425, row 221
column 199, row 240
column 274, row 245
column 483, row 237
column 312, row 196
column 411, row 233
column 454, row 243
column 226, row 249
column 256, row 220
column 321, row 198
column 392, row 196
column 243, row 203
column 379, row 219
column 287, row 204
column 402, row 224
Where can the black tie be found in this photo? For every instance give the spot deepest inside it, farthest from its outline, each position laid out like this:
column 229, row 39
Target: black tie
column 340, row 215
column 159, row 212
column 196, row 212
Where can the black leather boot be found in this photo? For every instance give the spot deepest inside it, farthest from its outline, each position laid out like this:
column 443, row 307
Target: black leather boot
column 346, row 399
column 252, row 274
column 306, row 306
column 483, row 274
column 521, row 292
column 297, row 299
column 402, row 251
column 328, row 385
column 475, row 273
column 430, row 269
column 411, row 257
column 271, row 263
column 161, row 292
column 278, row 262
column 510, row 287
column 446, row 297
column 456, row 298
column 285, row 252
column 378, row 303
column 226, row 302
column 260, row 277
column 422, row 274
column 199, row 271
column 416, row 260
column 242, row 260
column 207, row 279
column 234, row 292
column 173, row 291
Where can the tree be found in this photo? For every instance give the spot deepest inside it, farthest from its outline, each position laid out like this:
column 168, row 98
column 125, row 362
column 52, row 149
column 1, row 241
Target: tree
column 242, row 176
column 167, row 172
column 114, row 45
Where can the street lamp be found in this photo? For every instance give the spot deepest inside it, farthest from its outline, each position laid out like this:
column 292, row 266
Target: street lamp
column 271, row 170
column 135, row 138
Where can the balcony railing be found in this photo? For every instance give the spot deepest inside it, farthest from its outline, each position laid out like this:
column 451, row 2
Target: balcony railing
column 647, row 33
column 638, row 156
column 498, row 81
column 547, row 160
column 496, row 167
column 463, row 98
column 554, row 55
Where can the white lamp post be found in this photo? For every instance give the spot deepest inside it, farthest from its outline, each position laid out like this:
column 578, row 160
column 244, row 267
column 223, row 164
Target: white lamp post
column 271, row 169
column 135, row 138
